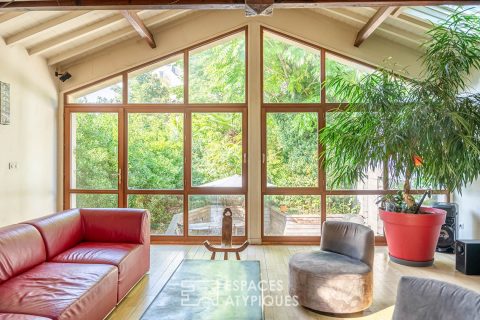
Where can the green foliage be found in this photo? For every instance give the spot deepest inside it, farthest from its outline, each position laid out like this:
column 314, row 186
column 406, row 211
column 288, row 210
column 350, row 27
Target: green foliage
column 349, row 72
column 155, row 140
column 218, row 74
column 162, row 208
column 291, row 72
column 152, row 87
column 390, row 120
column 295, row 204
column 95, row 200
column 395, row 203
column 216, row 146
column 95, row 151
column 292, row 149
column 155, row 150
column 343, row 205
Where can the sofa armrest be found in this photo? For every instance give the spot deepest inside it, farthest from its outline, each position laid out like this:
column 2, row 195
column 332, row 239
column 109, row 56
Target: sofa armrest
column 116, row 225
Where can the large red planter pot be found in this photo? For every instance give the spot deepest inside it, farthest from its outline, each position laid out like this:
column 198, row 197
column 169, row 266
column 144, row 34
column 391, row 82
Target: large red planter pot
column 412, row 238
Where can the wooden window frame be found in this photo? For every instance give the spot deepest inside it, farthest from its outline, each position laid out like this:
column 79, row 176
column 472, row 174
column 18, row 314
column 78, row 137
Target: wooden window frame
column 321, row 108
column 125, row 108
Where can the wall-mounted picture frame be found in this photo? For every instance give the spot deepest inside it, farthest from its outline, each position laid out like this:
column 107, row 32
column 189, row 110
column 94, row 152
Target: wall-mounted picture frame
column 4, row 103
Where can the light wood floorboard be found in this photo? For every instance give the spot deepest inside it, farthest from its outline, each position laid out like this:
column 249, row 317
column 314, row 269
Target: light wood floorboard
column 274, row 267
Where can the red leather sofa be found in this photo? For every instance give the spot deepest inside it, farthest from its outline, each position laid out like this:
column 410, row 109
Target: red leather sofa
column 76, row 264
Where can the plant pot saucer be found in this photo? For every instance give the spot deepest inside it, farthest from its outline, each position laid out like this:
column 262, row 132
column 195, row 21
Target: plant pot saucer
column 411, row 263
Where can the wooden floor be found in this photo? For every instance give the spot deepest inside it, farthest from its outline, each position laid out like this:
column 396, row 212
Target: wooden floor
column 274, row 267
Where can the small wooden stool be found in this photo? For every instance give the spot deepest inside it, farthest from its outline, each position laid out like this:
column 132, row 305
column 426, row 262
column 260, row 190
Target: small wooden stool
column 226, row 245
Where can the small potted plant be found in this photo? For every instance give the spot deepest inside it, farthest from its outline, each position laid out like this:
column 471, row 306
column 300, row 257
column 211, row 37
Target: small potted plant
column 423, row 132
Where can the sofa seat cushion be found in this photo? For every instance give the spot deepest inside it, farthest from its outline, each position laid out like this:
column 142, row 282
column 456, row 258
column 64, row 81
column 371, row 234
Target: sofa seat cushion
column 62, row 291
column 127, row 257
column 326, row 262
column 18, row 316
column 330, row 282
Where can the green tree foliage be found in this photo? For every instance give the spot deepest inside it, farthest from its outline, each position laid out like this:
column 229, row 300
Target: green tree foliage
column 164, row 84
column 155, row 150
column 291, row 72
column 218, row 74
column 292, row 149
column 428, row 128
column 216, row 146
column 155, row 141
column 163, row 209
column 95, row 151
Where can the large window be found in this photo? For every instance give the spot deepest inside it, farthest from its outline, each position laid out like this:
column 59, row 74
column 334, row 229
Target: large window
column 170, row 137
column 298, row 193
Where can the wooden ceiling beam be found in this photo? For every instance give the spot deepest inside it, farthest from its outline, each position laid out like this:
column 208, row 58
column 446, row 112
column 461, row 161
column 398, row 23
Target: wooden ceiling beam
column 42, row 27
column 397, row 11
column 210, row 4
column 110, row 38
column 375, row 21
column 139, row 27
column 7, row 16
column 77, row 34
column 414, row 39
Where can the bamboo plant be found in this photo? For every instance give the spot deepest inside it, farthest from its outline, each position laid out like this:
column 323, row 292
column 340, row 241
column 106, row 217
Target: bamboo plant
column 424, row 131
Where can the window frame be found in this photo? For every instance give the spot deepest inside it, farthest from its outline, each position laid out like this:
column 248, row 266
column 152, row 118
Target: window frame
column 125, row 108
column 321, row 108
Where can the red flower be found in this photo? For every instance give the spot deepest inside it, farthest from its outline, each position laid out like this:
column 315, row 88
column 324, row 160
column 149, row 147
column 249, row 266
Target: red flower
column 417, row 160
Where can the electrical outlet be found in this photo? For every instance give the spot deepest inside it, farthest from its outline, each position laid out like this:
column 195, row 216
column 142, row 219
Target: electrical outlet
column 12, row 165
column 461, row 226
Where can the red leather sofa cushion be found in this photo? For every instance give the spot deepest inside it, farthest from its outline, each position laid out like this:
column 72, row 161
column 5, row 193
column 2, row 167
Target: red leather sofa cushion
column 62, row 291
column 60, row 231
column 21, row 248
column 130, row 259
column 114, row 225
column 18, row 316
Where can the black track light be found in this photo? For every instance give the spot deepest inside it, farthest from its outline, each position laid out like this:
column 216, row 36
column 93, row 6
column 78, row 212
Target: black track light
column 63, row 76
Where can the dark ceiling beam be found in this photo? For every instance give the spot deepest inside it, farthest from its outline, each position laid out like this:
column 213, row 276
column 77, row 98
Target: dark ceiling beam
column 140, row 27
column 375, row 21
column 210, row 4
column 397, row 12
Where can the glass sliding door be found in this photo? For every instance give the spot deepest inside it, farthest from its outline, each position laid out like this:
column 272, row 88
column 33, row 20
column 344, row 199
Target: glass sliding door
column 155, row 160
column 291, row 185
column 218, row 171
column 93, row 160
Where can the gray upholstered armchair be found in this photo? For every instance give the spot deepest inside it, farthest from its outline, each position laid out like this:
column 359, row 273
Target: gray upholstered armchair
column 339, row 277
column 425, row 299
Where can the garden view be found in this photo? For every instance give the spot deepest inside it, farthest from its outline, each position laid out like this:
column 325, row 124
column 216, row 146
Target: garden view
column 156, row 140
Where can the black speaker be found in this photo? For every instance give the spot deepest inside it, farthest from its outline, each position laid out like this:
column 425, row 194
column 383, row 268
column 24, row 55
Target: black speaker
column 468, row 256
column 449, row 231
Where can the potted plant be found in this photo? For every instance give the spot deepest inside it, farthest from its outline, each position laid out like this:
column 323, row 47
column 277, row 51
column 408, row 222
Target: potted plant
column 424, row 131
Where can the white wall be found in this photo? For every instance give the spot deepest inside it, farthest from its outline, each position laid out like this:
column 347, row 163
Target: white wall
column 469, row 200
column 30, row 140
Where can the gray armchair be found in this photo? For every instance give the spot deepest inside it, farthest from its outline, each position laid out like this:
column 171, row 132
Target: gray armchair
column 339, row 277
column 427, row 299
